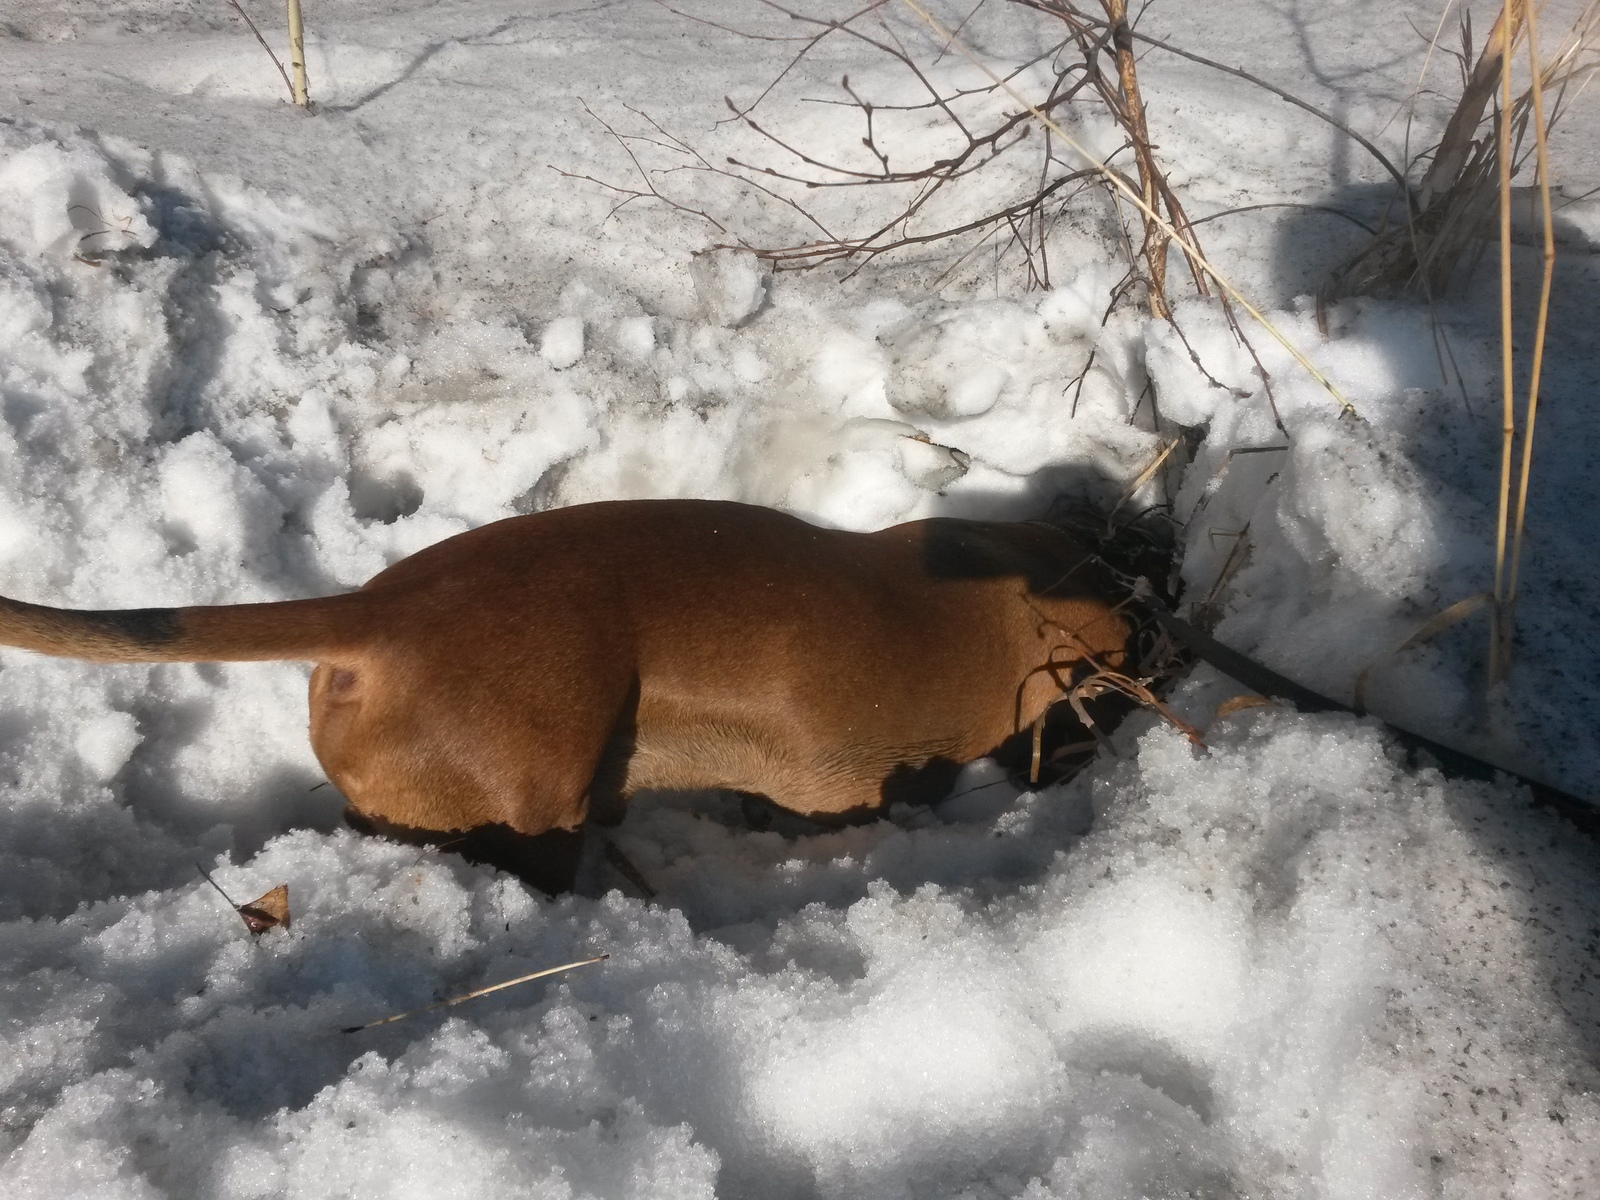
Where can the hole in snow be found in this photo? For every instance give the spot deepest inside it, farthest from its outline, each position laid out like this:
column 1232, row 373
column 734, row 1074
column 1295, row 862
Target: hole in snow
column 384, row 500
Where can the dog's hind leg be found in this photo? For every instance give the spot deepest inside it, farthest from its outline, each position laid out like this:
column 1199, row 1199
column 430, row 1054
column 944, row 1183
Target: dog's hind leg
column 608, row 801
column 506, row 783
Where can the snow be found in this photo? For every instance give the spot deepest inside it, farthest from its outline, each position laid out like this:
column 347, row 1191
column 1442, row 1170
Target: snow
column 562, row 342
column 247, row 354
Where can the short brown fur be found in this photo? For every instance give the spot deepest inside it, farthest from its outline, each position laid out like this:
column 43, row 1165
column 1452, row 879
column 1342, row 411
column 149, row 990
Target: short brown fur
column 519, row 674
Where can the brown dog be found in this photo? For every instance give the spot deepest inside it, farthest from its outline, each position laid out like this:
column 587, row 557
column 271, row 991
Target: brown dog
column 509, row 681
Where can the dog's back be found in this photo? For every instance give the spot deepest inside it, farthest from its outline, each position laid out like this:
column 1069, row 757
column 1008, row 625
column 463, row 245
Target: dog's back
column 513, row 675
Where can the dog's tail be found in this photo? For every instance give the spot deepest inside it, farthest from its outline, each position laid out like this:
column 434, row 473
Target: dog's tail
column 309, row 630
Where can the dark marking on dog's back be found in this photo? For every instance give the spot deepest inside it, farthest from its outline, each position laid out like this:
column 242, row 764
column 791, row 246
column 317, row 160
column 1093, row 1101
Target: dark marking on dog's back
column 148, row 627
column 1048, row 560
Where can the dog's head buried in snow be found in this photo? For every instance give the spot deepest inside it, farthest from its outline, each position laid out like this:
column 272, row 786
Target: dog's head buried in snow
column 502, row 687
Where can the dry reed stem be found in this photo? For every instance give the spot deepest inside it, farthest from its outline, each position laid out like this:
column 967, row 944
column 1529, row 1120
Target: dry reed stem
column 1038, row 748
column 1455, row 147
column 1508, row 416
column 1542, row 161
column 1115, row 179
column 1448, row 211
column 297, row 55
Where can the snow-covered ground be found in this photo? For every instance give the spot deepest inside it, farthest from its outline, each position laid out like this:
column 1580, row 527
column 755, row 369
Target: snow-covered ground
column 249, row 354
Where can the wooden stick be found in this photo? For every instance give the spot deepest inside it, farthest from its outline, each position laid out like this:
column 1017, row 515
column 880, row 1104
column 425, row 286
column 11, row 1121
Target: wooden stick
column 494, row 987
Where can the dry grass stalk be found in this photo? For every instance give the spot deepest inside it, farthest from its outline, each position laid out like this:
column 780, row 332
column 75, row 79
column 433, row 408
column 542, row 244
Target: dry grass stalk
column 1508, row 425
column 1101, row 681
column 1505, row 603
column 1435, row 625
column 1447, row 211
column 1144, row 477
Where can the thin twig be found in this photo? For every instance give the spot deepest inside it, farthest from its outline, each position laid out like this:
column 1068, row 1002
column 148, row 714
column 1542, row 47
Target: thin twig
column 246, row 18
column 1382, row 159
column 473, row 995
column 1133, row 197
column 624, row 865
column 1322, row 208
column 204, row 874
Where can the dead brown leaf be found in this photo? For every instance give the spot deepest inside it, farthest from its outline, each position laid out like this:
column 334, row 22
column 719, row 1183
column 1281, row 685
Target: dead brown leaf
column 267, row 912
column 270, row 911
